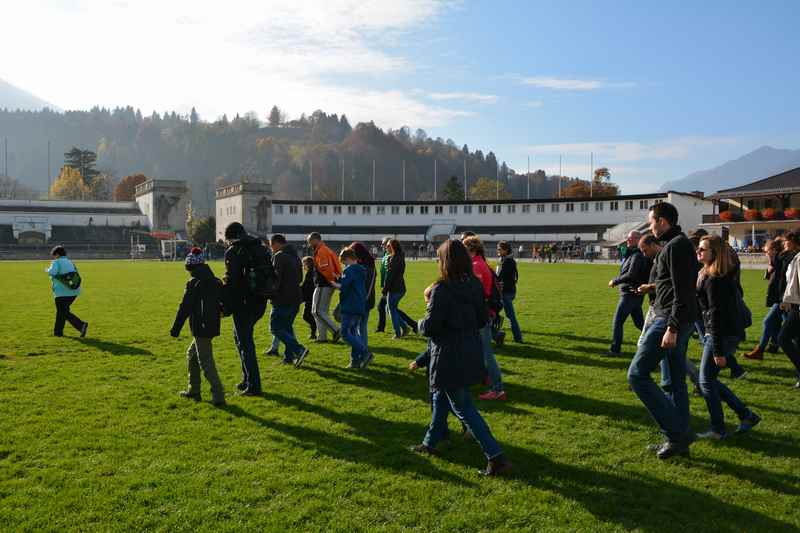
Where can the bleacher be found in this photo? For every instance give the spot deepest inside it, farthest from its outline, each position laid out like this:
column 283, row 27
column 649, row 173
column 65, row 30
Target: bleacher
column 82, row 242
column 7, row 235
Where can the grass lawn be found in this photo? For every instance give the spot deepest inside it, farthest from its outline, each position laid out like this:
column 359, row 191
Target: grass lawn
column 94, row 437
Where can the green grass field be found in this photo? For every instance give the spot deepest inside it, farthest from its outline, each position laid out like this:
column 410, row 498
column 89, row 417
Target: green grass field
column 94, row 437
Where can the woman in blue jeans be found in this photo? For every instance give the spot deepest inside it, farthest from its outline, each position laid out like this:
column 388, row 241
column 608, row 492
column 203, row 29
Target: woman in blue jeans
column 455, row 314
column 719, row 294
column 508, row 275
column 394, row 287
column 779, row 257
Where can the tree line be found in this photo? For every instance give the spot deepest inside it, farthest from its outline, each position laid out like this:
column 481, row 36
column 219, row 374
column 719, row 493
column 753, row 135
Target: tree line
column 287, row 152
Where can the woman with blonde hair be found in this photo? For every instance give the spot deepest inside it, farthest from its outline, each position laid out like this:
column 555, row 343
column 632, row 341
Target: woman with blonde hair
column 776, row 284
column 720, row 297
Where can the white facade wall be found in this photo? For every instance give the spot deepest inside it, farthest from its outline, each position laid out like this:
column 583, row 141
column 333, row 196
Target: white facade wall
column 164, row 204
column 227, row 210
column 248, row 203
column 536, row 214
column 690, row 209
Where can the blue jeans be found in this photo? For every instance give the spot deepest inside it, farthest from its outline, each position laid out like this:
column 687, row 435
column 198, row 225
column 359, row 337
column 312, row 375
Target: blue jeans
column 363, row 329
column 281, row 324
column 459, row 400
column 243, row 324
column 669, row 410
column 772, row 326
column 489, row 360
column 350, row 334
column 715, row 392
column 392, row 302
column 508, row 307
column 629, row 304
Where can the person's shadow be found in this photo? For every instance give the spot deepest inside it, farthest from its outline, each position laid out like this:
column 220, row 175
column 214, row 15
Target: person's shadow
column 111, row 347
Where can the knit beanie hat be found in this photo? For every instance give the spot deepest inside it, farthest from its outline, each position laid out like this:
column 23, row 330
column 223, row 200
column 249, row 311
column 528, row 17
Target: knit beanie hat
column 195, row 257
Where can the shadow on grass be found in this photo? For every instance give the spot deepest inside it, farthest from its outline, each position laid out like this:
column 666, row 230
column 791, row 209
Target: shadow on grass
column 572, row 337
column 628, row 499
column 564, row 357
column 111, row 347
column 382, row 444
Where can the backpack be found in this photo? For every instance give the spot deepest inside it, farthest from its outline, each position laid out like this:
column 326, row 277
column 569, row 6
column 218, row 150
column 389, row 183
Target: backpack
column 72, row 280
column 495, row 299
column 261, row 278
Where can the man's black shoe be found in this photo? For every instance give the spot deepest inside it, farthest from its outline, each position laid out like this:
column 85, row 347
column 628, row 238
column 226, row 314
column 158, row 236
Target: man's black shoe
column 671, row 449
column 298, row 362
column 249, row 392
column 241, row 386
column 612, row 353
column 336, row 336
column 272, row 352
column 84, row 328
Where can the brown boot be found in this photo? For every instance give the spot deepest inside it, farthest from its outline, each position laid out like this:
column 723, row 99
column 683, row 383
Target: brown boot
column 497, row 466
column 756, row 354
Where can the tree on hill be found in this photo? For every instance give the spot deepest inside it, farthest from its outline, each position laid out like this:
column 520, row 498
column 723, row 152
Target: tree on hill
column 125, row 191
column 274, row 118
column 487, row 189
column 84, row 162
column 69, row 185
column 452, row 190
column 601, row 174
column 203, row 230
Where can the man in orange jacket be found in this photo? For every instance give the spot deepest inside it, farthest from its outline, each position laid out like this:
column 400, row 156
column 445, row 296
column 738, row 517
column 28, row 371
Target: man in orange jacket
column 327, row 270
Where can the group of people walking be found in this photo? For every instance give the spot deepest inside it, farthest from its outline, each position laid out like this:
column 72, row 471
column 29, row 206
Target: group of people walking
column 692, row 284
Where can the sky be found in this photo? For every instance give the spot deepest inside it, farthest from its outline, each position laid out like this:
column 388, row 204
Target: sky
column 653, row 89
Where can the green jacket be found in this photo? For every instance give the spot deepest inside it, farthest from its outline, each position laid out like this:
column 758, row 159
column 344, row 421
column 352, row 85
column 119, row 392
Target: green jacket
column 384, row 267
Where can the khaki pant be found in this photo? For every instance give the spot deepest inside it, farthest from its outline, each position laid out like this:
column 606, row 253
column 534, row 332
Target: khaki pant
column 199, row 356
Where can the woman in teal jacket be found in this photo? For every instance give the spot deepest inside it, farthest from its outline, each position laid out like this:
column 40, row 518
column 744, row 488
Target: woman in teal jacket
column 64, row 296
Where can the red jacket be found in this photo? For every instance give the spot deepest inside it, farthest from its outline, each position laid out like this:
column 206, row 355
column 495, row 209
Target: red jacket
column 481, row 271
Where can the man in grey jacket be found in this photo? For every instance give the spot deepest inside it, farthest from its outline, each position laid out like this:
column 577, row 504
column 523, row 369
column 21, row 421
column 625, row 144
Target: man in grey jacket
column 633, row 272
column 287, row 298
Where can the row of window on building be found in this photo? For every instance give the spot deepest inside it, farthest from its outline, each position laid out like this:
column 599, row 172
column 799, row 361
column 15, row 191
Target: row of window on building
column 569, row 207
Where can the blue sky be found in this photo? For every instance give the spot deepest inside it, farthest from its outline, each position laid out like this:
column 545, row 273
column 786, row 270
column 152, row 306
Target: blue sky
column 655, row 89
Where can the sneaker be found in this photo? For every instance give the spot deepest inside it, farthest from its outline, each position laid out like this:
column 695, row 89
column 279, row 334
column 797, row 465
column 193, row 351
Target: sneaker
column 655, row 446
column 612, row 353
column 218, row 402
column 423, row 449
column 367, row 360
column 797, row 385
column 747, row 423
column 301, row 358
column 84, row 328
column 501, row 338
column 711, row 435
column 379, row 331
column 312, row 337
column 697, row 391
column 414, row 328
column 336, row 336
column 497, row 467
column 405, row 331
column 671, row 449
column 396, row 337
column 494, row 395
column 241, row 386
column 773, row 348
column 189, row 395
column 741, row 374
column 756, row 354
column 353, row 365
column 270, row 352
column 248, row 392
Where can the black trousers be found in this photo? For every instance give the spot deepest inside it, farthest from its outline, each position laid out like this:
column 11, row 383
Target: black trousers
column 308, row 316
column 63, row 315
column 382, row 315
column 789, row 337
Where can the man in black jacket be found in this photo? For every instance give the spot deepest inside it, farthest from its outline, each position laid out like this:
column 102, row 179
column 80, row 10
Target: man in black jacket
column 201, row 305
column 245, row 306
column 287, row 299
column 675, row 310
column 633, row 272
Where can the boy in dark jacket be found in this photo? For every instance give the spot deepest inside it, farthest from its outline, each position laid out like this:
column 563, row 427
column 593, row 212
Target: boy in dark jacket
column 201, row 305
column 353, row 303
column 308, row 296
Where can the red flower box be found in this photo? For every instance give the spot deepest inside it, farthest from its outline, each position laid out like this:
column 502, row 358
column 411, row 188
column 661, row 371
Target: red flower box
column 729, row 216
column 792, row 212
column 772, row 214
column 752, row 215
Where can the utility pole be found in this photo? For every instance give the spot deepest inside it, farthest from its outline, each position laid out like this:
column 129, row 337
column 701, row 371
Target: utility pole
column 373, row 180
column 404, row 180
column 311, row 183
column 49, row 174
column 465, row 180
column 5, row 157
column 559, row 176
column 497, row 179
column 591, row 174
column 528, row 175
column 343, row 180
column 435, row 178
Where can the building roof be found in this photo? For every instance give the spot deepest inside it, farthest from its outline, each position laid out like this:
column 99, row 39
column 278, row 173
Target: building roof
column 66, row 206
column 784, row 183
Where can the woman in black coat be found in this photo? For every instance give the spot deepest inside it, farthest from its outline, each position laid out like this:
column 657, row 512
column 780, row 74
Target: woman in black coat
column 775, row 275
column 394, row 287
column 455, row 314
column 366, row 260
column 720, row 297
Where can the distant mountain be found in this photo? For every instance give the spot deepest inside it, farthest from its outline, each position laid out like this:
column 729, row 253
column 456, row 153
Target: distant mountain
column 761, row 163
column 14, row 98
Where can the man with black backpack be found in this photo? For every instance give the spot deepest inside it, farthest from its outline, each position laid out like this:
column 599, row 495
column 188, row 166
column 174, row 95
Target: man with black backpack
column 66, row 285
column 248, row 282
